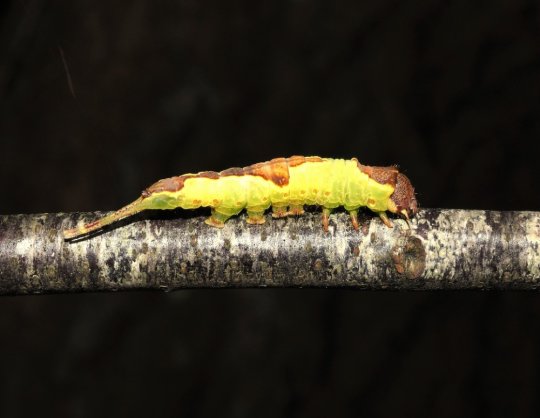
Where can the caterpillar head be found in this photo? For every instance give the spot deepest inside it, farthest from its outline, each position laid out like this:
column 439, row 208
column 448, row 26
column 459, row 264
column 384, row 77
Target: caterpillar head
column 403, row 198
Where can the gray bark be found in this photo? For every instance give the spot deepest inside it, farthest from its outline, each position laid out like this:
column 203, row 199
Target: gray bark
column 444, row 249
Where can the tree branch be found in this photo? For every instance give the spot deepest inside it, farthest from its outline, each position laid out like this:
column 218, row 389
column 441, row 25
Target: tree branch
column 445, row 249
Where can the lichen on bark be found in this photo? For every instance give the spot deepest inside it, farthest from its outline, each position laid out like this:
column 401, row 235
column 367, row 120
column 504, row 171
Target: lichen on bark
column 444, row 249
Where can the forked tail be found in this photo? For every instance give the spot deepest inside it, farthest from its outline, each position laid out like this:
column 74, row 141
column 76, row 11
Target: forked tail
column 131, row 209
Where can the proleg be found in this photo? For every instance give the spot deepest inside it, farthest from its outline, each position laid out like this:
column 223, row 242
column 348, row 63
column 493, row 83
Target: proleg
column 283, row 184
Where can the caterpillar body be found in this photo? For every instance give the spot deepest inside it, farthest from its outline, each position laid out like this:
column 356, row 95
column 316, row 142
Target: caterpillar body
column 284, row 184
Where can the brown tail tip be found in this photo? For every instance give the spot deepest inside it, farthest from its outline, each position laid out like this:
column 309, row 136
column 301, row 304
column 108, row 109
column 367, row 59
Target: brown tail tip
column 72, row 233
column 83, row 230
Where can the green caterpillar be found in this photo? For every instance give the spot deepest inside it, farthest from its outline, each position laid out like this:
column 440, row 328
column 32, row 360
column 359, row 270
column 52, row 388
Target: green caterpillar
column 285, row 184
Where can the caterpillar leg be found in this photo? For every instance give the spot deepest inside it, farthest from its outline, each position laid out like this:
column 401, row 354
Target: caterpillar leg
column 255, row 217
column 217, row 219
column 296, row 210
column 354, row 219
column 384, row 218
column 279, row 211
column 406, row 216
column 325, row 218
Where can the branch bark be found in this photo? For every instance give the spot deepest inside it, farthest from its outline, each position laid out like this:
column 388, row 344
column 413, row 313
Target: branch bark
column 444, row 249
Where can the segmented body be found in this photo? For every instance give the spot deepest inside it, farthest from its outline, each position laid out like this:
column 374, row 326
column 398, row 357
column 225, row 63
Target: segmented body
column 285, row 184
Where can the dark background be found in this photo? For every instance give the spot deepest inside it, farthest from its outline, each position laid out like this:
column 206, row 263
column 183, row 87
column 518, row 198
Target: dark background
column 100, row 99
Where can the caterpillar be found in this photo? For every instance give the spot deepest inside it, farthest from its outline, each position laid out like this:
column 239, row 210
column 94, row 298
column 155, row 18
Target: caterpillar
column 285, row 184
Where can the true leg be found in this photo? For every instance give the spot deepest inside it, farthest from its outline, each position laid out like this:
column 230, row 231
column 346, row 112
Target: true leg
column 384, row 218
column 354, row 218
column 325, row 218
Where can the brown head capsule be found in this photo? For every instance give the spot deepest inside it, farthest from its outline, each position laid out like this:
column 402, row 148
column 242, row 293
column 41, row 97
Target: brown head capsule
column 404, row 198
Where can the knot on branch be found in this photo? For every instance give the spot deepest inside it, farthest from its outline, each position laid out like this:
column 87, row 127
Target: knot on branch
column 409, row 256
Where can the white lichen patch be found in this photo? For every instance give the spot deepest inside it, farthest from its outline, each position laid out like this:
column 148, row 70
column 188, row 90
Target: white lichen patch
column 446, row 244
column 25, row 249
column 378, row 235
column 25, row 246
column 341, row 247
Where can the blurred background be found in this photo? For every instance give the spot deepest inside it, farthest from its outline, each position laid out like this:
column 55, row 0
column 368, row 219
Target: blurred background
column 100, row 99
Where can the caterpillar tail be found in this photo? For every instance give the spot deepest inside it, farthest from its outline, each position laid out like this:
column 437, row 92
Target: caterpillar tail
column 131, row 209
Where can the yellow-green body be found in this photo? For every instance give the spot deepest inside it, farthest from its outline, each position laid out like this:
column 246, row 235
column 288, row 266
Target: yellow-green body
column 330, row 183
column 285, row 184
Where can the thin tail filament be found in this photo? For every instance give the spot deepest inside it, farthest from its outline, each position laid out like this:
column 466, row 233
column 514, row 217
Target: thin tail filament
column 131, row 209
